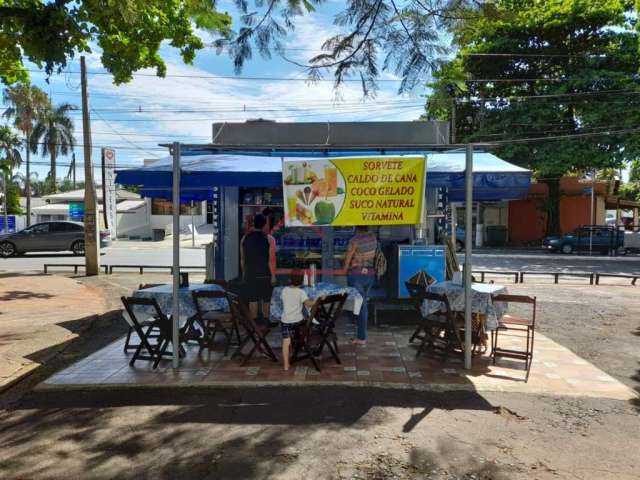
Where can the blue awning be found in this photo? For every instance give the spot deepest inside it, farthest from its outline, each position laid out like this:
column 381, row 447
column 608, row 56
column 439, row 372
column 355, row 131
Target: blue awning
column 494, row 179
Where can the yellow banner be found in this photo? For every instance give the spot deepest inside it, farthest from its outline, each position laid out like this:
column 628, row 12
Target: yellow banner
column 349, row 191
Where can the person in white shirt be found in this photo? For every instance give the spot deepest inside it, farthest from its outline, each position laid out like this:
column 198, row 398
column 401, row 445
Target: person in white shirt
column 294, row 299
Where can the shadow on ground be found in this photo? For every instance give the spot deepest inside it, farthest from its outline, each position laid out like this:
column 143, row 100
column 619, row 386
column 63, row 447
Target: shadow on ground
column 636, row 401
column 260, row 405
column 23, row 295
column 214, row 432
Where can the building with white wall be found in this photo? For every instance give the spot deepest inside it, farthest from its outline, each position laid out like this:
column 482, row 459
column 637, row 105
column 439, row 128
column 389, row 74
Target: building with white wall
column 137, row 217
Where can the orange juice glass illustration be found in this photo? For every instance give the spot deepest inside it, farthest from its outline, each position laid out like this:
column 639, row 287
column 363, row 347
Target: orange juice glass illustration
column 331, row 177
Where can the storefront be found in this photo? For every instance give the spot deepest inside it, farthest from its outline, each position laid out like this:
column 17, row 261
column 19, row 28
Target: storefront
column 240, row 184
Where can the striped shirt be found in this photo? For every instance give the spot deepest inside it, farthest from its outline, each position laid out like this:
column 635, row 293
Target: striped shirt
column 365, row 246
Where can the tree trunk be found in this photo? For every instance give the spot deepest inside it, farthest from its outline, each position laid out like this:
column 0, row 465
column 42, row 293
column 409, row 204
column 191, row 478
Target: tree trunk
column 53, row 171
column 6, row 203
column 553, row 205
column 27, row 182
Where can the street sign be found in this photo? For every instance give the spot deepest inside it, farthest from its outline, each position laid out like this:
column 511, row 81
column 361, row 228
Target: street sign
column 76, row 211
column 109, row 190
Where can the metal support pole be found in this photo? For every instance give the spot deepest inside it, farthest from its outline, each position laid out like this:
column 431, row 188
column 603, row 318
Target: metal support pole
column 176, row 255
column 454, row 224
column 593, row 187
column 468, row 180
column 193, row 227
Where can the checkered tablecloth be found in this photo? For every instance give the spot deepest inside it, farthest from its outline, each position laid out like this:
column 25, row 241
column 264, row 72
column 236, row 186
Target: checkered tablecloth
column 164, row 296
column 353, row 303
column 481, row 301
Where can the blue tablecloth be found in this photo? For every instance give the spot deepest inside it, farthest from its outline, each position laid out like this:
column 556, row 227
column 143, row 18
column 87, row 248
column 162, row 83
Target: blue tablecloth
column 164, row 296
column 353, row 303
column 480, row 300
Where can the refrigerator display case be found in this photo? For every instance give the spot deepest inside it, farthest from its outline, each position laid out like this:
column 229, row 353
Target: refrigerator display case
column 412, row 259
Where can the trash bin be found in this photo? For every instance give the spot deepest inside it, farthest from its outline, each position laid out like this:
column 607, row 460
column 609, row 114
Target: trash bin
column 158, row 234
column 496, row 235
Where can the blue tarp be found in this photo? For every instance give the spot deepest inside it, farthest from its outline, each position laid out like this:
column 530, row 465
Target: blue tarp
column 494, row 179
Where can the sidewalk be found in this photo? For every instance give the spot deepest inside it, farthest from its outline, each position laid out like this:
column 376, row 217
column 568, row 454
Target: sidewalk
column 39, row 315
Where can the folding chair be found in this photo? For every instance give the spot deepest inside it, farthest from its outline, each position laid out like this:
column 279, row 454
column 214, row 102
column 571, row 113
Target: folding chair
column 221, row 283
column 161, row 322
column 256, row 333
column 214, row 321
column 415, row 291
column 310, row 338
column 442, row 328
column 147, row 323
column 513, row 323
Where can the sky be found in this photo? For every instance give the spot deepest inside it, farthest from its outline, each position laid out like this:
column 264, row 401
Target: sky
column 134, row 118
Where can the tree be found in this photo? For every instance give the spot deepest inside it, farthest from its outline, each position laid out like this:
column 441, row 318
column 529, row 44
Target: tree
column 564, row 71
column 9, row 159
column 53, row 135
column 631, row 189
column 399, row 36
column 634, row 171
column 128, row 32
column 402, row 36
column 27, row 103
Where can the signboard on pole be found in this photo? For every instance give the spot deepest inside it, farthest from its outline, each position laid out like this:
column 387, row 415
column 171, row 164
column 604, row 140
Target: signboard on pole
column 109, row 190
column 10, row 227
column 76, row 211
column 348, row 191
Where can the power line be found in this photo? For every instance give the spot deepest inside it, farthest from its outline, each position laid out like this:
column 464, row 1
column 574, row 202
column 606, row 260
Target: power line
column 555, row 95
column 248, row 109
column 303, row 102
column 153, row 135
column 292, row 115
column 558, row 137
column 124, row 138
column 227, row 77
column 294, row 79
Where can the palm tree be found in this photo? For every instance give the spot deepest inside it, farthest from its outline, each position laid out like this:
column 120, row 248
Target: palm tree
column 10, row 158
column 53, row 135
column 26, row 105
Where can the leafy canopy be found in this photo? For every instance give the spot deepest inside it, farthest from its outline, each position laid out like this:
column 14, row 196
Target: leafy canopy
column 402, row 37
column 553, row 68
column 129, row 33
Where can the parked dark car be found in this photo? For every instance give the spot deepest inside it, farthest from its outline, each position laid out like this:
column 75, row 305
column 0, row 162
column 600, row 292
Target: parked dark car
column 48, row 237
column 599, row 238
column 460, row 237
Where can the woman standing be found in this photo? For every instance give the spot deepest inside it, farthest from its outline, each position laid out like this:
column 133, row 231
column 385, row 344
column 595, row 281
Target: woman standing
column 258, row 264
column 359, row 266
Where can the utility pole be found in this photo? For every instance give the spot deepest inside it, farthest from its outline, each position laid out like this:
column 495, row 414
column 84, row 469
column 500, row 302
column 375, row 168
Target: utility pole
column 73, row 171
column 91, row 246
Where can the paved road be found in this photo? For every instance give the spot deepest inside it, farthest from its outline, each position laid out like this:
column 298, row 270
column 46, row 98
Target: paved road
column 160, row 254
column 556, row 263
column 136, row 253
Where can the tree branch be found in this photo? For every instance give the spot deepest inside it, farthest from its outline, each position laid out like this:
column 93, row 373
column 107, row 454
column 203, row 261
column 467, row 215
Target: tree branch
column 349, row 37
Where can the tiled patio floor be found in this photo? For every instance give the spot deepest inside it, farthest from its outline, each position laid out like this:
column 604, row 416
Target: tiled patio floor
column 387, row 359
